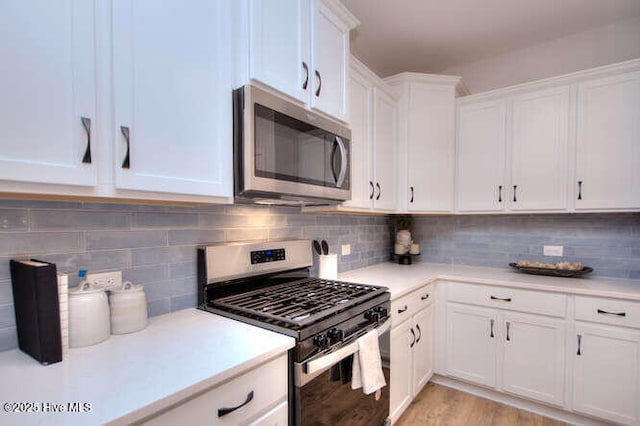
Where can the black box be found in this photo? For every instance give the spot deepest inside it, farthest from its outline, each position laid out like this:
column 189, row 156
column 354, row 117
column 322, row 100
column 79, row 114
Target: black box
column 35, row 297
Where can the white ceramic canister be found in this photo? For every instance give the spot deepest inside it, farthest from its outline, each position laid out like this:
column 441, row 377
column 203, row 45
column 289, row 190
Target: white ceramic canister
column 89, row 321
column 128, row 309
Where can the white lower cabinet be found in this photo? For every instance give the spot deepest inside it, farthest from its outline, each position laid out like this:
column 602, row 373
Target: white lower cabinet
column 606, row 358
column 260, row 396
column 518, row 353
column 533, row 364
column 412, row 339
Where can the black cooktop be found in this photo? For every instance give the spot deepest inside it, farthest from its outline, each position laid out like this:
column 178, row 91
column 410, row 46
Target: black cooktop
column 299, row 303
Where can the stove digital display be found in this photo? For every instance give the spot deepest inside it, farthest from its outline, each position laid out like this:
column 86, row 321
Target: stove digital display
column 264, row 256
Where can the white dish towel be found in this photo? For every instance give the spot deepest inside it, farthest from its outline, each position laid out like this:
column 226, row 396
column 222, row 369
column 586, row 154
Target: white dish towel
column 367, row 364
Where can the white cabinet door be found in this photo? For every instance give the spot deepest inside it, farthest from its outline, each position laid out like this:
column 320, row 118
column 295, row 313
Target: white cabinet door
column 47, row 82
column 400, row 391
column 431, row 148
column 423, row 348
column 607, row 373
column 385, row 154
column 361, row 148
column 533, row 357
column 608, row 143
column 172, row 92
column 481, row 166
column 540, row 145
column 472, row 341
column 279, row 45
column 329, row 59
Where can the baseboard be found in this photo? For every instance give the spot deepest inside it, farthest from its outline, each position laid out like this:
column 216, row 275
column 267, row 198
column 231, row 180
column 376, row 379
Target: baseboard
column 522, row 404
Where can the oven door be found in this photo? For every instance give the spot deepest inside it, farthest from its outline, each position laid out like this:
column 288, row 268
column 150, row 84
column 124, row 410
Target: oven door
column 323, row 394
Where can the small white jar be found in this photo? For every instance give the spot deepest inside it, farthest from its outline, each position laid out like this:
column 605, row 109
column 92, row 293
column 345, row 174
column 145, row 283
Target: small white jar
column 128, row 309
column 88, row 316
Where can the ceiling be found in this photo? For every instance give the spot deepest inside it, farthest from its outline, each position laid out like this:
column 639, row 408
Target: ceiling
column 433, row 35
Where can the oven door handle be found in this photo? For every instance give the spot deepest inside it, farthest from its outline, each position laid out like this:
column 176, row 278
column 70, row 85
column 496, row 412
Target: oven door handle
column 333, row 357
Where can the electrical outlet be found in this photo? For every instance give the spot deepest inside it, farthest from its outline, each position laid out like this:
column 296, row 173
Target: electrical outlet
column 553, row 250
column 106, row 280
column 346, row 249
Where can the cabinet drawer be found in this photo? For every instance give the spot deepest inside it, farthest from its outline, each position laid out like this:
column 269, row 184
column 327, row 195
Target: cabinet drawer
column 269, row 386
column 608, row 311
column 407, row 305
column 508, row 298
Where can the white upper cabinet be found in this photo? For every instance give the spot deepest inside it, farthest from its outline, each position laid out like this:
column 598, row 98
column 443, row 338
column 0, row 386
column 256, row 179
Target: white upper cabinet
column 385, row 149
column 330, row 60
column 532, row 130
column 426, row 141
column 571, row 143
column 48, row 101
column 481, row 139
column 373, row 112
column 540, row 148
column 361, row 93
column 608, row 143
column 171, row 97
column 301, row 48
column 279, row 51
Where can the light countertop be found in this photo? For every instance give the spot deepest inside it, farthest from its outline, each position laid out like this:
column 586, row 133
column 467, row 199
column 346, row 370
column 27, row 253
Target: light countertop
column 402, row 279
column 130, row 376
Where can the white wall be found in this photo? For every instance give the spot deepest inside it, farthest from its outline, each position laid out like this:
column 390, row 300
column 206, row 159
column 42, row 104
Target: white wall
column 601, row 46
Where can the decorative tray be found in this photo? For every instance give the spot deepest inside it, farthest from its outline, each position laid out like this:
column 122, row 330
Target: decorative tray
column 552, row 272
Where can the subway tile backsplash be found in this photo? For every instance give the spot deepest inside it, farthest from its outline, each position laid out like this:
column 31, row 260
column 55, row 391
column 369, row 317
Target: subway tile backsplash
column 610, row 243
column 155, row 245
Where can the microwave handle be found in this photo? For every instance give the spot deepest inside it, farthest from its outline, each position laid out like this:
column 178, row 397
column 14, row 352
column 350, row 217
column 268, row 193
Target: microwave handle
column 343, row 161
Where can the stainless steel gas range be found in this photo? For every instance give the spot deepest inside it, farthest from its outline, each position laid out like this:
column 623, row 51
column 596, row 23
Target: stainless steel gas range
column 267, row 284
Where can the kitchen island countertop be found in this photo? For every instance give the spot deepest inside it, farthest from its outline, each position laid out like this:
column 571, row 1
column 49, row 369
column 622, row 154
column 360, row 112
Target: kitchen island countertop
column 402, row 279
column 128, row 377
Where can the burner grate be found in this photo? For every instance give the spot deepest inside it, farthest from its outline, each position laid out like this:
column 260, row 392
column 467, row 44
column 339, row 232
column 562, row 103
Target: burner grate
column 299, row 302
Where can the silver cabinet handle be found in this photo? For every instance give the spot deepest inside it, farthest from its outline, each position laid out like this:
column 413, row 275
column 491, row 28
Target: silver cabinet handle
column 125, row 132
column 86, row 123
column 225, row 411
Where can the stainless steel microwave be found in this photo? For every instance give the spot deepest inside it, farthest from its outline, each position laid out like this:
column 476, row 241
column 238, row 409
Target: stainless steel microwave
column 285, row 154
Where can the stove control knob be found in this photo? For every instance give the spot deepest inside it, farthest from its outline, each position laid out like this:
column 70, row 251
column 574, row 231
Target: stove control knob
column 382, row 311
column 335, row 335
column 321, row 341
column 372, row 316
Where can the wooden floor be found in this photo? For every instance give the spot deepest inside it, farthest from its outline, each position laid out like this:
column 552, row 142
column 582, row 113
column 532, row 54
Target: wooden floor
column 440, row 405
